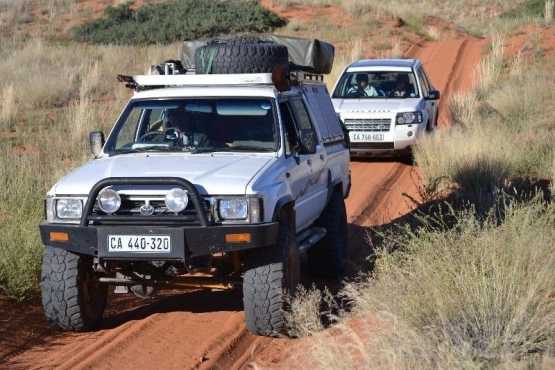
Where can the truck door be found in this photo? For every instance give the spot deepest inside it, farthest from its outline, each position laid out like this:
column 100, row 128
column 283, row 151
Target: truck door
column 314, row 153
column 300, row 162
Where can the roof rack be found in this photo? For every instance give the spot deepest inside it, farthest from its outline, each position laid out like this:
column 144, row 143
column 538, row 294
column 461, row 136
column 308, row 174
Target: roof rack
column 146, row 82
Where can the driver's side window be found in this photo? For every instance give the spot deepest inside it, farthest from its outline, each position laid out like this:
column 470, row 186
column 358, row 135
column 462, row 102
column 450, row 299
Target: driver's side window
column 126, row 137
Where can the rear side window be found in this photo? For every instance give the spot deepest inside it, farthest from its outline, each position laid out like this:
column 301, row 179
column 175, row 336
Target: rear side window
column 302, row 118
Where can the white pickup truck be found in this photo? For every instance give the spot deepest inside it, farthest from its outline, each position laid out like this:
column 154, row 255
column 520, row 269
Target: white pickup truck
column 230, row 177
column 386, row 105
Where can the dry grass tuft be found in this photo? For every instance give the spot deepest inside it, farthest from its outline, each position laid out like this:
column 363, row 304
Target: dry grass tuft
column 548, row 12
column 472, row 293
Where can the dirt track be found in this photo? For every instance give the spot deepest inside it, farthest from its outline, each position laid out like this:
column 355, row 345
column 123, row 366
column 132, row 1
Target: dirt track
column 201, row 330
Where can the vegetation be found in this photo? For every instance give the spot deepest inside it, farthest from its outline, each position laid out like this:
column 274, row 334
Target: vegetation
column 504, row 135
column 472, row 293
column 177, row 20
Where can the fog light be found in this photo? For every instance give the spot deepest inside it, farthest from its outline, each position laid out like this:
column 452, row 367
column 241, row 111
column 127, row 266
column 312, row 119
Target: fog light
column 58, row 236
column 409, row 134
column 238, row 238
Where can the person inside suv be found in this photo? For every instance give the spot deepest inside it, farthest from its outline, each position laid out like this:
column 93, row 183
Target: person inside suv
column 402, row 87
column 362, row 87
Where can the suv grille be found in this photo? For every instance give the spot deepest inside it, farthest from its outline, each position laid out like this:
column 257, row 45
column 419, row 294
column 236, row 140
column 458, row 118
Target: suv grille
column 130, row 212
column 372, row 124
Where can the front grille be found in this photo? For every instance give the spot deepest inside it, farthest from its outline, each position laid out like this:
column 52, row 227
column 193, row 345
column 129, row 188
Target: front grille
column 130, row 212
column 375, row 145
column 371, row 124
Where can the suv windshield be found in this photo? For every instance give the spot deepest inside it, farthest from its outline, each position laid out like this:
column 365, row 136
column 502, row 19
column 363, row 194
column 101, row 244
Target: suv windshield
column 195, row 125
column 376, row 85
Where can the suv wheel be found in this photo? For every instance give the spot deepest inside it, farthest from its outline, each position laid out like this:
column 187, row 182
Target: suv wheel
column 327, row 258
column 72, row 296
column 270, row 277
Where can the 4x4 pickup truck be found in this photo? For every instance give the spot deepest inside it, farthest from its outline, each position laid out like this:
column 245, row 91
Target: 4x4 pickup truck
column 386, row 105
column 231, row 177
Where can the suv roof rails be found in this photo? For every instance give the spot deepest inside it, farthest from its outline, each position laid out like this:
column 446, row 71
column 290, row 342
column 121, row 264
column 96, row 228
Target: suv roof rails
column 147, row 82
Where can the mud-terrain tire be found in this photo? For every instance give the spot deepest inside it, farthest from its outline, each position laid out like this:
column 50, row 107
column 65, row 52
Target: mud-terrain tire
column 242, row 55
column 327, row 258
column 72, row 298
column 269, row 277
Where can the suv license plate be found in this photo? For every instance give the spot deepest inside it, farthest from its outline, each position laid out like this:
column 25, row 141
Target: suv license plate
column 358, row 137
column 139, row 243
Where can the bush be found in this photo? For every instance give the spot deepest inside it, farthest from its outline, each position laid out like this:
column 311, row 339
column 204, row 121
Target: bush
column 177, row 20
column 476, row 295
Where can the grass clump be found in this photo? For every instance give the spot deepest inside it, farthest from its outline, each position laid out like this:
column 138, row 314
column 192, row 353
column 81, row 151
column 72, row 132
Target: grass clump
column 476, row 295
column 177, row 20
column 504, row 132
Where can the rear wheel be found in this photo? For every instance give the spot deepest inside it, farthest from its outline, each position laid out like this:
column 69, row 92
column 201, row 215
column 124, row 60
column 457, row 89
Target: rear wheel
column 327, row 258
column 72, row 296
column 270, row 276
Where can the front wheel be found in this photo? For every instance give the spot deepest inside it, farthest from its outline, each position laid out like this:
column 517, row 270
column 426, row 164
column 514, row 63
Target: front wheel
column 270, row 276
column 72, row 296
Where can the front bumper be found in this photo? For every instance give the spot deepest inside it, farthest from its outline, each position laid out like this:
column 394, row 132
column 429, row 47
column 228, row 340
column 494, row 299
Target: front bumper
column 187, row 241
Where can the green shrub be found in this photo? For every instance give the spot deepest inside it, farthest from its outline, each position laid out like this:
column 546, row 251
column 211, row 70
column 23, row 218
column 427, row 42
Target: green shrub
column 177, row 20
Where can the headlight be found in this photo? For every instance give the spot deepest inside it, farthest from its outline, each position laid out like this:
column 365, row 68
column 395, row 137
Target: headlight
column 109, row 200
column 408, row 118
column 233, row 208
column 177, row 200
column 68, row 208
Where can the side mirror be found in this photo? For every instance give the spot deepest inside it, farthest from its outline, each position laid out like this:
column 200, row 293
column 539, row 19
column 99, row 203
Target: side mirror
column 96, row 142
column 433, row 95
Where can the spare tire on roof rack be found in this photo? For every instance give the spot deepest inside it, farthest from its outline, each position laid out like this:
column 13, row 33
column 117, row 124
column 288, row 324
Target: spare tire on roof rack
column 240, row 55
column 257, row 54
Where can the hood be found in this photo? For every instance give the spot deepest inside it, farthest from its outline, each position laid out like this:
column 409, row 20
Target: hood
column 375, row 105
column 212, row 174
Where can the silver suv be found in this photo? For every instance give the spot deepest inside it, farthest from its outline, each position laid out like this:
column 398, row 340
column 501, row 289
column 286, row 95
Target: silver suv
column 224, row 175
column 386, row 105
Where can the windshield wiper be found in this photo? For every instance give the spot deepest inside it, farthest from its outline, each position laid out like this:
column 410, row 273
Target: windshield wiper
column 153, row 148
column 238, row 148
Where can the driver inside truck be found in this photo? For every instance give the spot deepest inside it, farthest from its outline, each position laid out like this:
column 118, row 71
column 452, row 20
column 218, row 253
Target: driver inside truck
column 180, row 127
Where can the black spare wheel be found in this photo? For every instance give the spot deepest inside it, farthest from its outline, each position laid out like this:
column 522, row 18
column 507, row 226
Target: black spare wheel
column 241, row 55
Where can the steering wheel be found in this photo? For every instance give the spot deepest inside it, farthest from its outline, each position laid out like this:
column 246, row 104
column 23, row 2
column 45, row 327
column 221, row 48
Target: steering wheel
column 355, row 94
column 155, row 137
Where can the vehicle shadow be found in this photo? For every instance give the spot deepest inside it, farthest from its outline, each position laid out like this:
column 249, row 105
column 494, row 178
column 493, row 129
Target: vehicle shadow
column 127, row 307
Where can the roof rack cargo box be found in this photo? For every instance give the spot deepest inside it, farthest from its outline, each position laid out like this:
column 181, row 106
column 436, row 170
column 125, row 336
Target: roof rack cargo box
column 309, row 55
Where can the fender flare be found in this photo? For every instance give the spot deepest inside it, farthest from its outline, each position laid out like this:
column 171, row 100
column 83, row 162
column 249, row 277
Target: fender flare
column 286, row 201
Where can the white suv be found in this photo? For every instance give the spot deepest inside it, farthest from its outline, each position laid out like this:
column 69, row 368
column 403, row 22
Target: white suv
column 386, row 105
column 225, row 175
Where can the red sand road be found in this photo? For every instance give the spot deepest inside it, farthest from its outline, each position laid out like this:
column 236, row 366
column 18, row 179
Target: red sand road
column 202, row 330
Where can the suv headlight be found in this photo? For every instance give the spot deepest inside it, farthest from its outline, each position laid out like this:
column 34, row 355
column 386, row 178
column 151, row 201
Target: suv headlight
column 233, row 208
column 240, row 209
column 408, row 118
column 64, row 209
column 69, row 208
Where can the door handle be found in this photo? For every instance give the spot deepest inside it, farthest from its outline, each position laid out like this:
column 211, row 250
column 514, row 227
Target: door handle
column 309, row 162
column 322, row 157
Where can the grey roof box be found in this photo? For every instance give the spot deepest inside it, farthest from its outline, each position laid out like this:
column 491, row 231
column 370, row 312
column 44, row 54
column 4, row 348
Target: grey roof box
column 309, row 55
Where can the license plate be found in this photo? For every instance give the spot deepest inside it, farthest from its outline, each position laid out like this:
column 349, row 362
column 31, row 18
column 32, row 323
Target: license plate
column 139, row 243
column 358, row 137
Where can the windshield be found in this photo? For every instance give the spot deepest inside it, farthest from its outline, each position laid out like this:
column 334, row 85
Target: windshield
column 376, row 85
column 195, row 125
